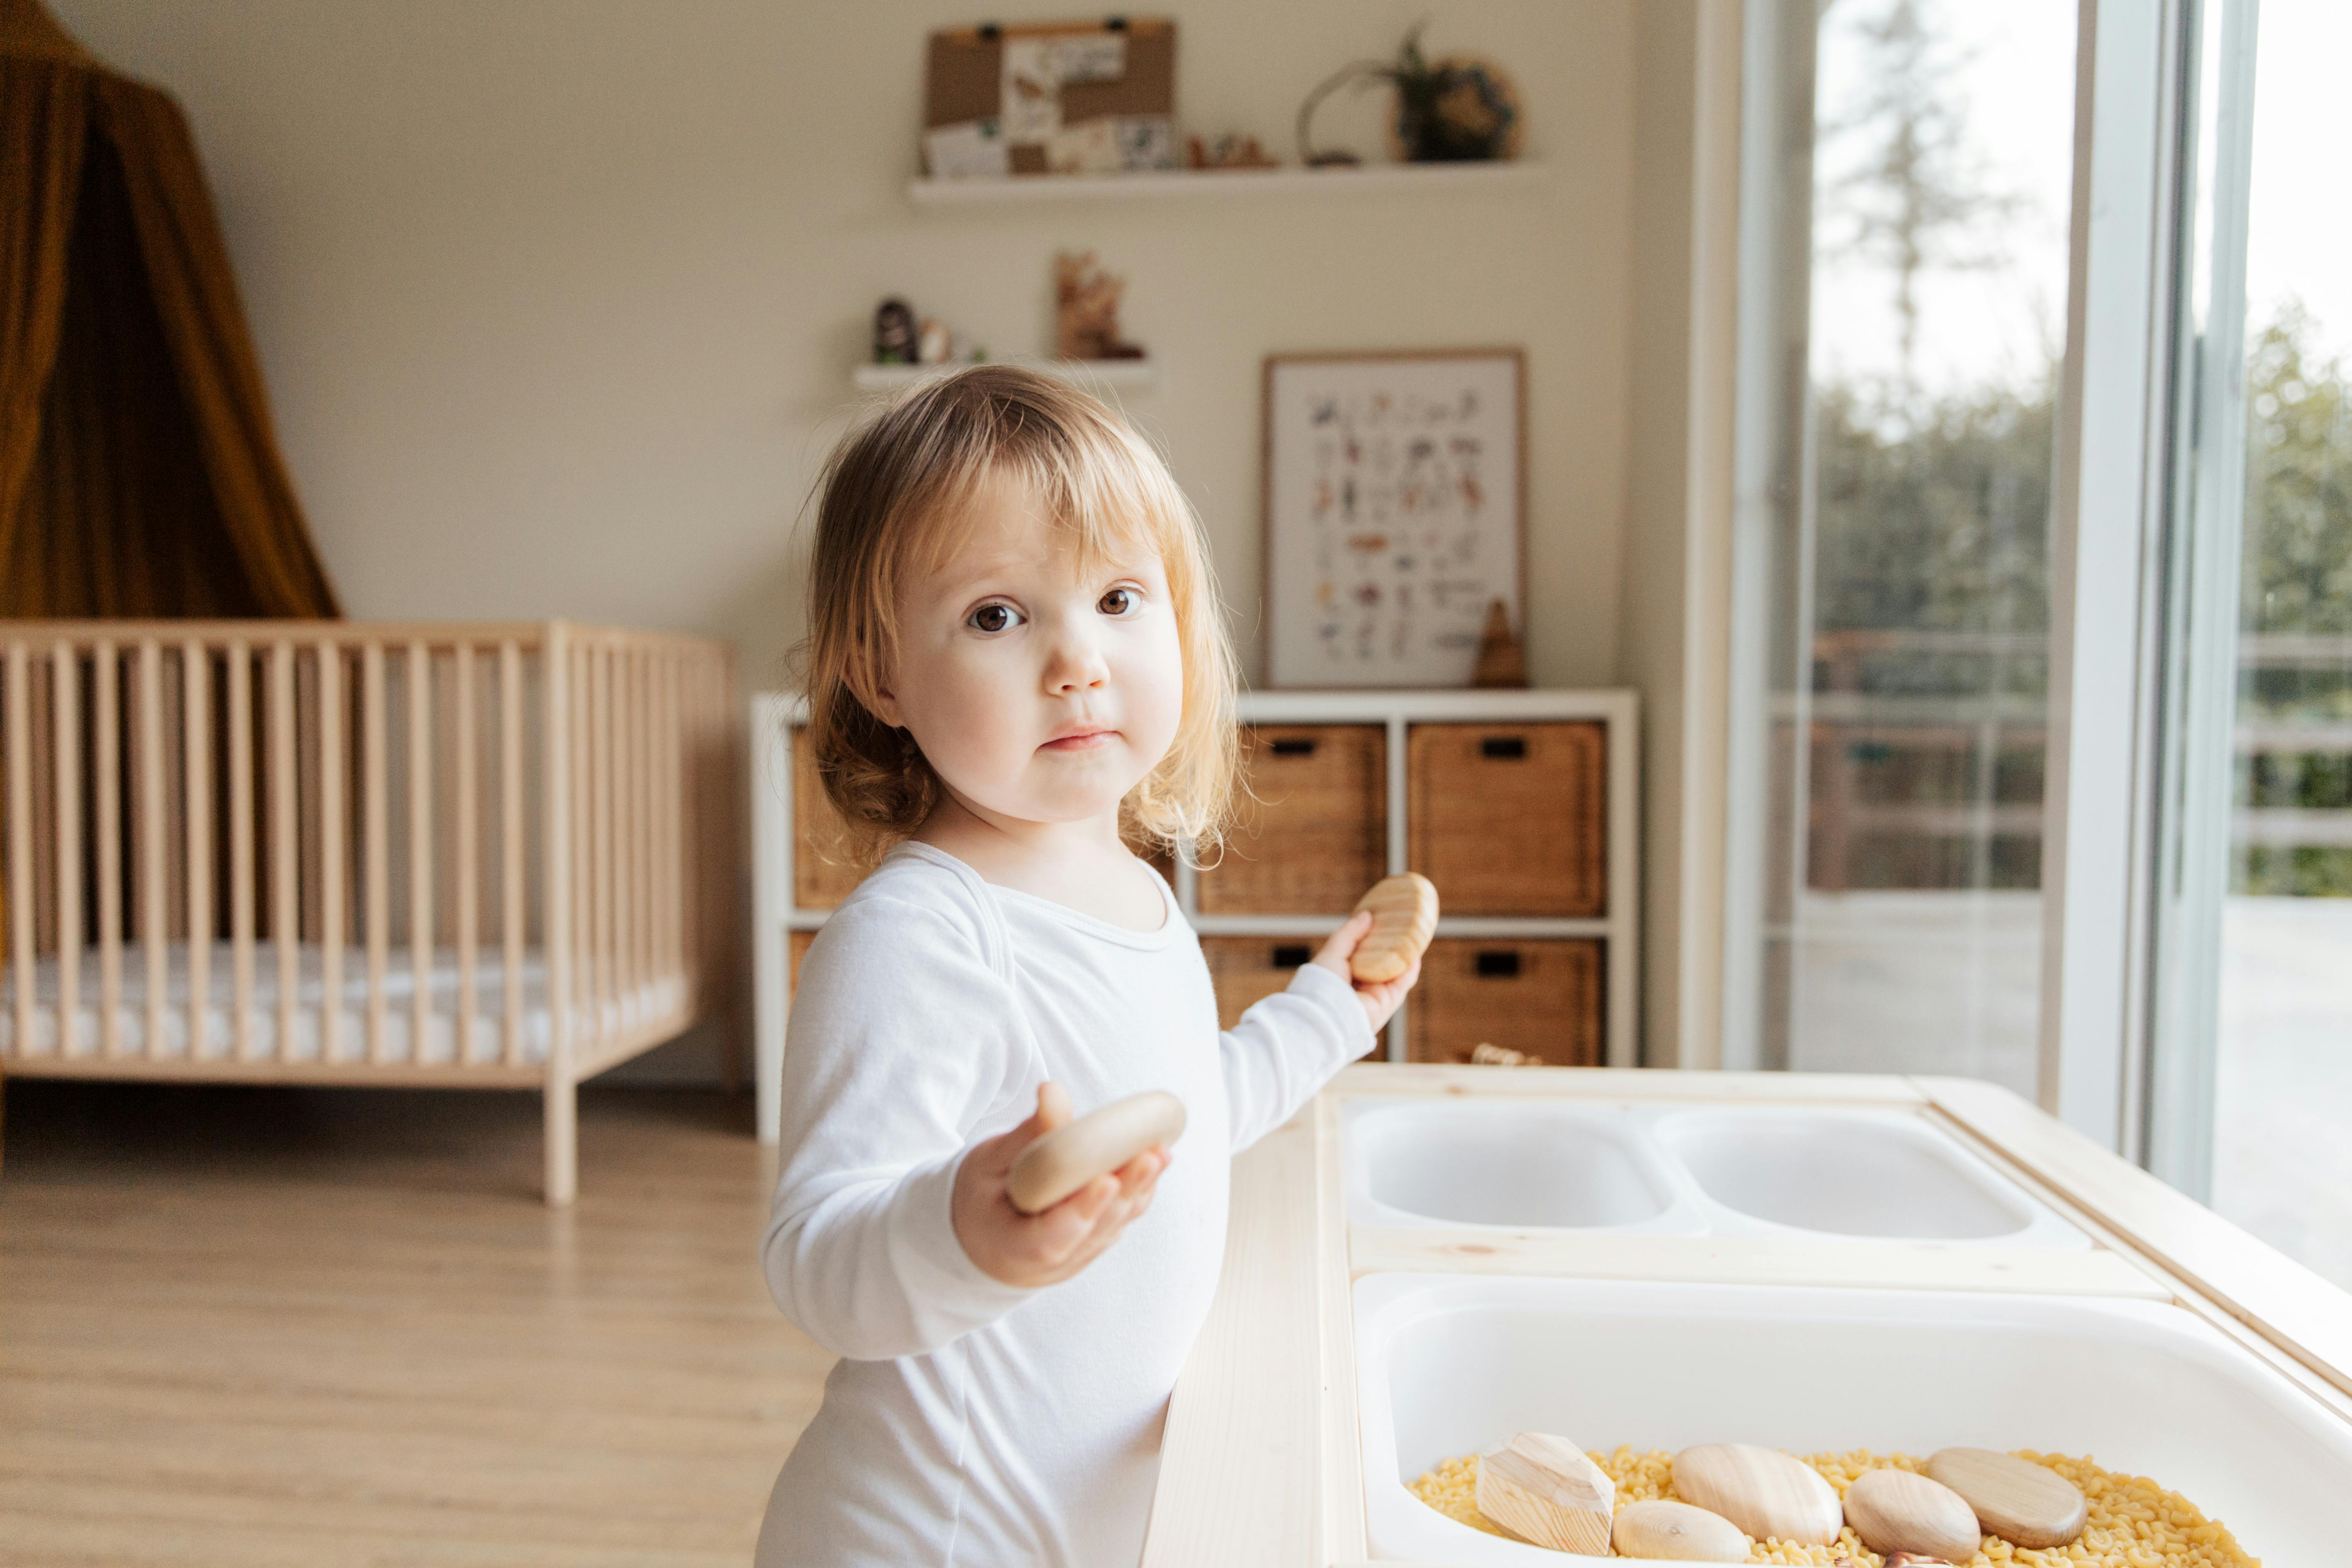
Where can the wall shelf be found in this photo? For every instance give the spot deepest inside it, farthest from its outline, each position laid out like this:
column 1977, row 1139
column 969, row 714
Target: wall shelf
column 1361, row 180
column 1097, row 372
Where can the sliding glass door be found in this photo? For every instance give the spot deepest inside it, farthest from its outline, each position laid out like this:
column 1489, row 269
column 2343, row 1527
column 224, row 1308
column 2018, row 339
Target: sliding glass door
column 2251, row 1106
column 1905, row 313
column 2040, row 748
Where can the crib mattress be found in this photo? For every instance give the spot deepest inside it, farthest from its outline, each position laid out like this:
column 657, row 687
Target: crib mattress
column 629, row 1009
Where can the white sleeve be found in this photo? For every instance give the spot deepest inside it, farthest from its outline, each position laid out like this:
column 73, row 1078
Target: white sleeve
column 902, row 1040
column 1286, row 1047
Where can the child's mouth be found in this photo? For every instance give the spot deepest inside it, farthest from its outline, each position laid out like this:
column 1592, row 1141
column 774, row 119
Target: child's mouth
column 1086, row 741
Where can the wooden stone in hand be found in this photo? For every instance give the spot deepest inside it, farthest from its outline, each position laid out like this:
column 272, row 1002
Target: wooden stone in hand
column 1545, row 1489
column 1096, row 1144
column 1896, row 1510
column 1404, row 917
column 1678, row 1531
column 2025, row 1503
column 1763, row 1490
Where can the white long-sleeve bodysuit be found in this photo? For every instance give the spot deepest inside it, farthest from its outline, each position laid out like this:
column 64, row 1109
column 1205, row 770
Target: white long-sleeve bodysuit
column 971, row 1423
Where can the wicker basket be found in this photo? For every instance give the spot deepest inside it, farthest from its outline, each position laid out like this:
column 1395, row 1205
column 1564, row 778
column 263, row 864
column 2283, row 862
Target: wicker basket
column 1315, row 835
column 1511, row 819
column 1543, row 998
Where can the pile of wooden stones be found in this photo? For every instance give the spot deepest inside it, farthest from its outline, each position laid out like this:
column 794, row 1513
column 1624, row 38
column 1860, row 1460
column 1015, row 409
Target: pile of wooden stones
column 1544, row 1487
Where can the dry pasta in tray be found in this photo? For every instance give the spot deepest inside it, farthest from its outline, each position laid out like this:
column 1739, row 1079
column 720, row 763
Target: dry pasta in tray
column 2134, row 1521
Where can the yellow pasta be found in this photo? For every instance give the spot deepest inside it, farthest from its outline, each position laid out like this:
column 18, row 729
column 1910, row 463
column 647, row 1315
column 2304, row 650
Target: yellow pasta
column 2134, row 1522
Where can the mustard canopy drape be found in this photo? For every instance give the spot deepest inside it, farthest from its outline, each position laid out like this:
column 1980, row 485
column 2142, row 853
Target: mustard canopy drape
column 139, row 471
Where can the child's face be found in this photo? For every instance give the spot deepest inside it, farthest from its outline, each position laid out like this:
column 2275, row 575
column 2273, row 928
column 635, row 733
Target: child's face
column 1040, row 693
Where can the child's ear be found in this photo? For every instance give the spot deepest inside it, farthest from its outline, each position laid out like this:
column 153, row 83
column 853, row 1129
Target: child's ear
column 878, row 699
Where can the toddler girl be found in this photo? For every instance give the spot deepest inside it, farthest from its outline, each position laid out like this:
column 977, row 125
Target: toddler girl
column 1015, row 667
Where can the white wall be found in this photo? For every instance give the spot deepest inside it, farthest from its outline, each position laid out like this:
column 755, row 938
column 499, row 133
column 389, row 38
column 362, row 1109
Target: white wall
column 556, row 297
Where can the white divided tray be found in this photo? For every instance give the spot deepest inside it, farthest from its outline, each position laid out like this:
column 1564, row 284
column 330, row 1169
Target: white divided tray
column 1451, row 1364
column 1533, row 1165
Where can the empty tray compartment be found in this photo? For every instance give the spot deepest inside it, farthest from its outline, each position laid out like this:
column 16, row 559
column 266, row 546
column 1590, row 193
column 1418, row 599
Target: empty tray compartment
column 1852, row 1172
column 1451, row 1365
column 1506, row 1164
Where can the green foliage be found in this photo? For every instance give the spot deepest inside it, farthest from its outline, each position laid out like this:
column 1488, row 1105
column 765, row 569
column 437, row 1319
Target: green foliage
column 2298, row 574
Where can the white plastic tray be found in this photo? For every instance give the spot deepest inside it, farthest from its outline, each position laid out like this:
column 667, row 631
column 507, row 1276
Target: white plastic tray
column 1529, row 1165
column 1452, row 1365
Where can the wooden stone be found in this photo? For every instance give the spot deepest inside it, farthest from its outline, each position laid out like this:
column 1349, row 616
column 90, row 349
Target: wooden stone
column 2025, row 1503
column 1677, row 1531
column 1897, row 1511
column 1096, row 1144
column 1545, row 1488
column 1404, row 917
column 1764, row 1492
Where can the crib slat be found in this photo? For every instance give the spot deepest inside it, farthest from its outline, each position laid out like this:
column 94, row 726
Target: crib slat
column 154, row 844
column 600, row 741
column 19, row 697
column 65, row 707
column 377, row 858
column 419, row 667
column 511, row 851
column 561, row 1137
column 625, row 813
column 285, row 843
column 240, row 846
column 584, row 796
column 196, row 713
column 469, row 885
column 332, row 829
column 107, row 674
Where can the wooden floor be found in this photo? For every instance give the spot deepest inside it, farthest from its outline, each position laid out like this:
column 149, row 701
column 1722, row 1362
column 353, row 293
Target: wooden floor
column 255, row 1327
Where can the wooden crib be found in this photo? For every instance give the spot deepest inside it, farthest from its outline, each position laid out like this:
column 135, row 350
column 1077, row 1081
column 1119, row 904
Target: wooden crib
column 493, row 855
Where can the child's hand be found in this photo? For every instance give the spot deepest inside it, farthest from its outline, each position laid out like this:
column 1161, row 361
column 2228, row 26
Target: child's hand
column 1381, row 1000
column 1048, row 1247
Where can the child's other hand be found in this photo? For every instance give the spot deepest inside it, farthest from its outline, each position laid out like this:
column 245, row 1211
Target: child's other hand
column 1381, row 999
column 1046, row 1247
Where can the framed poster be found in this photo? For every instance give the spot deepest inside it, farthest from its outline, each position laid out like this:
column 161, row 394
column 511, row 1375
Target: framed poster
column 1395, row 514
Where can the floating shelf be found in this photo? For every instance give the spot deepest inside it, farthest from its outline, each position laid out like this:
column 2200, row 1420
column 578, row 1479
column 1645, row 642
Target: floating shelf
column 1363, row 179
column 1098, row 372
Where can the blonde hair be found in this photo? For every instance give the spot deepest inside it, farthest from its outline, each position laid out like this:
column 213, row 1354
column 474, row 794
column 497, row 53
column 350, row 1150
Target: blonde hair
column 894, row 497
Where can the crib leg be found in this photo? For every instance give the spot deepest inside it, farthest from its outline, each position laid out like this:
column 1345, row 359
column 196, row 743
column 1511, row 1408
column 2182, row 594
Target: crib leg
column 561, row 1140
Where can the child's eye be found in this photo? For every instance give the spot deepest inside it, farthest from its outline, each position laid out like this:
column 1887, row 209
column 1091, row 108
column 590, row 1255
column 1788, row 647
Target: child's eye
column 1119, row 602
column 994, row 618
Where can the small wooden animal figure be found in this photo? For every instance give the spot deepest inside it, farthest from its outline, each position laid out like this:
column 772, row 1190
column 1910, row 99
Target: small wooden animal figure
column 1086, row 310
column 1501, row 660
column 1545, row 1489
column 894, row 333
column 1404, row 917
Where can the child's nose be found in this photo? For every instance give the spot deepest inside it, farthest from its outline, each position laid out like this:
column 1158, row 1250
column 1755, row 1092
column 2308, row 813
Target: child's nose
column 1076, row 661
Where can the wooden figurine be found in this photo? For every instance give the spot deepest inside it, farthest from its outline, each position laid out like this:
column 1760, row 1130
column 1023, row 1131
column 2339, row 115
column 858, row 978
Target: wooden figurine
column 1545, row 1488
column 1086, row 310
column 933, row 344
column 1501, row 660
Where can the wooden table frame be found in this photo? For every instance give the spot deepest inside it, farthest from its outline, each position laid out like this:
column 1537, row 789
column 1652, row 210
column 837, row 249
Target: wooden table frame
column 1262, row 1463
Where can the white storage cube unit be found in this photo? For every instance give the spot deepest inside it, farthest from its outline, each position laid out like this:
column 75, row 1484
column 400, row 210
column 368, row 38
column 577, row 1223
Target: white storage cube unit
column 1454, row 1364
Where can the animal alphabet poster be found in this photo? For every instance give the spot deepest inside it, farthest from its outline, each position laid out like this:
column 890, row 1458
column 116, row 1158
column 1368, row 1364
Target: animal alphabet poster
column 1395, row 508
